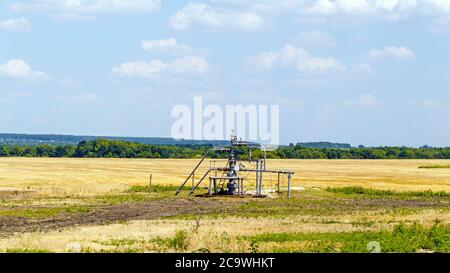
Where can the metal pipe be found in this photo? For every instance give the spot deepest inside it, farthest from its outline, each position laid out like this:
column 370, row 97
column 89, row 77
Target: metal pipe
column 289, row 185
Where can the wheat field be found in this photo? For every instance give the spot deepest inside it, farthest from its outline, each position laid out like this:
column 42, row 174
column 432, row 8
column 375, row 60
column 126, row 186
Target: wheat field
column 80, row 176
column 63, row 180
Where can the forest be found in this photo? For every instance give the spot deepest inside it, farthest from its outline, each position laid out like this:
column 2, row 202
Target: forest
column 103, row 148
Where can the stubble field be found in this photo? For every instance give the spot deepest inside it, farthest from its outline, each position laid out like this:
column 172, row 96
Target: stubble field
column 105, row 205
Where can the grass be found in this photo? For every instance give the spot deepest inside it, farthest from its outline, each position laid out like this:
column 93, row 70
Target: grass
column 59, row 177
column 156, row 188
column 402, row 238
column 26, row 250
column 434, row 167
column 43, row 212
column 358, row 190
column 345, row 204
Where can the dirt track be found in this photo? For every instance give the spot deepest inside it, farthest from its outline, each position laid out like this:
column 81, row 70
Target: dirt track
column 110, row 214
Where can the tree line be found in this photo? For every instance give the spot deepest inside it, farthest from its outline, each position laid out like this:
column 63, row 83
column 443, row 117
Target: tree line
column 101, row 148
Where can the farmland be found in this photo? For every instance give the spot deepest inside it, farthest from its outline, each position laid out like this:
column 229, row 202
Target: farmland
column 106, row 205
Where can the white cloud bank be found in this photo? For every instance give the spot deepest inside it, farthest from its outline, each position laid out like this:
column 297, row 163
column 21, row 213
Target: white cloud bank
column 255, row 14
column 210, row 16
column 292, row 56
column 184, row 65
column 84, row 9
column 170, row 44
column 392, row 52
column 19, row 24
column 17, row 68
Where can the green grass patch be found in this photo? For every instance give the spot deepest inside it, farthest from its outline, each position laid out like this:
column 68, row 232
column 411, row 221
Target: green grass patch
column 43, row 212
column 26, row 250
column 402, row 238
column 358, row 190
column 434, row 167
column 178, row 242
column 156, row 188
column 114, row 199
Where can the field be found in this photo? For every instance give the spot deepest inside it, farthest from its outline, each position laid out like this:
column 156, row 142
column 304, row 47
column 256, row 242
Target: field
column 105, row 205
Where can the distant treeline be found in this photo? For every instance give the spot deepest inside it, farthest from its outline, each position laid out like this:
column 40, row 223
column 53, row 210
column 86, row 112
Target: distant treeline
column 102, row 148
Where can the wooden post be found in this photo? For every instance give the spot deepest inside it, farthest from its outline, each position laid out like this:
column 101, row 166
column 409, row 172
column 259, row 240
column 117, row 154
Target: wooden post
column 150, row 184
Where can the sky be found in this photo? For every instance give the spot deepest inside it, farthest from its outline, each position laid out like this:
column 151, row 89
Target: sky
column 368, row 72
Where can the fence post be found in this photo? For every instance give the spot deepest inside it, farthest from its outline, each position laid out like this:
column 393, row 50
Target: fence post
column 150, row 184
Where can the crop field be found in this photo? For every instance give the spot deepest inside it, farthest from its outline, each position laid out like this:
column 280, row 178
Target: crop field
column 106, row 205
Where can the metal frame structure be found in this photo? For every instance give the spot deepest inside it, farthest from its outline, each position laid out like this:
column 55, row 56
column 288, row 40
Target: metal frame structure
column 231, row 172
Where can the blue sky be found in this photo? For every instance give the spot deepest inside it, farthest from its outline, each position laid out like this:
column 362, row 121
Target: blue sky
column 366, row 72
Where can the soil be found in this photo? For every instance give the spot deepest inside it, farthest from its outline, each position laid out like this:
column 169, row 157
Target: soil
column 396, row 203
column 113, row 213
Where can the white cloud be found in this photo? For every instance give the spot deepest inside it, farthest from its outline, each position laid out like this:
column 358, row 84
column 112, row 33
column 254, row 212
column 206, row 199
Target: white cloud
column 362, row 68
column 365, row 101
column 316, row 38
column 292, row 56
column 170, row 44
column 76, row 9
column 210, row 16
column 436, row 6
column 20, row 24
column 318, row 11
column 392, row 52
column 17, row 68
column 190, row 64
column 141, row 68
column 368, row 100
column 184, row 65
column 263, row 61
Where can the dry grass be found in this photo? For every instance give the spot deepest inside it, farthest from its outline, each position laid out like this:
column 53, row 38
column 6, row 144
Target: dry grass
column 81, row 177
column 218, row 235
column 68, row 179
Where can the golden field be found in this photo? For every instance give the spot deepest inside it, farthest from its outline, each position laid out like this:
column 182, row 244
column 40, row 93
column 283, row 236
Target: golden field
column 37, row 191
column 76, row 176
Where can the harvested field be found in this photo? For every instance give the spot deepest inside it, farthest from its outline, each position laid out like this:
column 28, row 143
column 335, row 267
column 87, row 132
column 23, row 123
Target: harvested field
column 103, row 205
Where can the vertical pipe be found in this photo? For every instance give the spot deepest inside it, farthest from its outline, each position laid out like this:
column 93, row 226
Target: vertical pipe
column 260, row 178
column 239, row 186
column 210, row 186
column 257, row 177
column 278, row 182
column 289, row 185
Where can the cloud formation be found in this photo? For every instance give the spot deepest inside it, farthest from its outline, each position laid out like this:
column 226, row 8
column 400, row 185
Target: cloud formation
column 210, row 16
column 19, row 24
column 18, row 68
column 291, row 56
column 235, row 13
column 84, row 9
column 392, row 52
column 170, row 44
column 184, row 65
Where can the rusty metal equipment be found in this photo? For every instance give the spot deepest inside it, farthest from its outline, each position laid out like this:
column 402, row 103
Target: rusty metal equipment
column 230, row 181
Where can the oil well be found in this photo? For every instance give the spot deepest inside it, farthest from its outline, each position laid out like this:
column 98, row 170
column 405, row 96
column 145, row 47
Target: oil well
column 232, row 178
